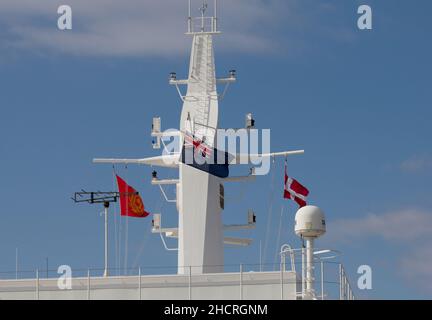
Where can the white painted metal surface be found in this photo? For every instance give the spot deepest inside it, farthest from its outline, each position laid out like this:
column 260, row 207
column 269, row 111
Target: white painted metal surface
column 200, row 221
column 169, row 161
column 219, row 286
column 309, row 224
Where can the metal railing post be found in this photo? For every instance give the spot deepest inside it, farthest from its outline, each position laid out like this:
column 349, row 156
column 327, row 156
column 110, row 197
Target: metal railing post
column 340, row 281
column 189, row 17
column 37, row 284
column 281, row 280
column 345, row 287
column 303, row 272
column 344, row 284
column 139, row 282
column 241, row 281
column 348, row 290
column 322, row 280
column 88, row 284
column 190, row 282
column 215, row 16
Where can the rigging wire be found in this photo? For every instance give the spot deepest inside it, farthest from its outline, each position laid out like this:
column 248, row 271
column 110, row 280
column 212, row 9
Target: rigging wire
column 142, row 246
column 240, row 195
column 159, row 204
column 278, row 237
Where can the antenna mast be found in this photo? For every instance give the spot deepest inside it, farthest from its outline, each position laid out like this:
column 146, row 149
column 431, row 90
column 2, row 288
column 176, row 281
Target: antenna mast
column 99, row 197
column 203, row 23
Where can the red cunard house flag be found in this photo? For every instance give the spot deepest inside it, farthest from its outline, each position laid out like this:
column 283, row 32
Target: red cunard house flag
column 131, row 204
column 294, row 190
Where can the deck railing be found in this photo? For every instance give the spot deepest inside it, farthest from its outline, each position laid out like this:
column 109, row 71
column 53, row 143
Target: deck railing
column 331, row 280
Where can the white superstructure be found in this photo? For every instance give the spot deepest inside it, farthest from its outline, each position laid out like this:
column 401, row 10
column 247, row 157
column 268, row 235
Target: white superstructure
column 199, row 201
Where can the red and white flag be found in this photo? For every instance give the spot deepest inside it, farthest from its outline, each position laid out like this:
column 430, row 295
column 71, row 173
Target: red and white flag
column 197, row 144
column 131, row 203
column 295, row 190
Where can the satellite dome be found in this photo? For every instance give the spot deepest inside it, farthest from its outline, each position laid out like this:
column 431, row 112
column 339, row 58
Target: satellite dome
column 310, row 222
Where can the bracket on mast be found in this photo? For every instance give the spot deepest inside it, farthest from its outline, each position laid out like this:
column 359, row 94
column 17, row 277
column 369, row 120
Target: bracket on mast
column 236, row 227
column 160, row 183
column 231, row 78
column 250, row 225
column 169, row 232
column 237, row 241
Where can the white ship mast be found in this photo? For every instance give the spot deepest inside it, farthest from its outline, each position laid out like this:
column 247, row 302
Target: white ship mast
column 200, row 221
column 199, row 194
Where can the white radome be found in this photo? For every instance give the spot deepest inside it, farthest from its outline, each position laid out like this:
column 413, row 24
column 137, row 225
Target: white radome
column 310, row 222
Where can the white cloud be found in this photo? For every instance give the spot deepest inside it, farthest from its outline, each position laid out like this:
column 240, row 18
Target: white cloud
column 415, row 267
column 134, row 27
column 404, row 225
column 417, row 164
column 406, row 231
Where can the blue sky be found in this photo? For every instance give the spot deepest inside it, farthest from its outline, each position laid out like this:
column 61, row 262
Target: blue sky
column 357, row 101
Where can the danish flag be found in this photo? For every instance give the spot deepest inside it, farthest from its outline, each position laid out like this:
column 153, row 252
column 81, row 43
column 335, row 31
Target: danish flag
column 294, row 190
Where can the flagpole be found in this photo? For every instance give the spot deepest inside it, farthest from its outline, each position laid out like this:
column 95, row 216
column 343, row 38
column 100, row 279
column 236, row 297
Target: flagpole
column 106, row 206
